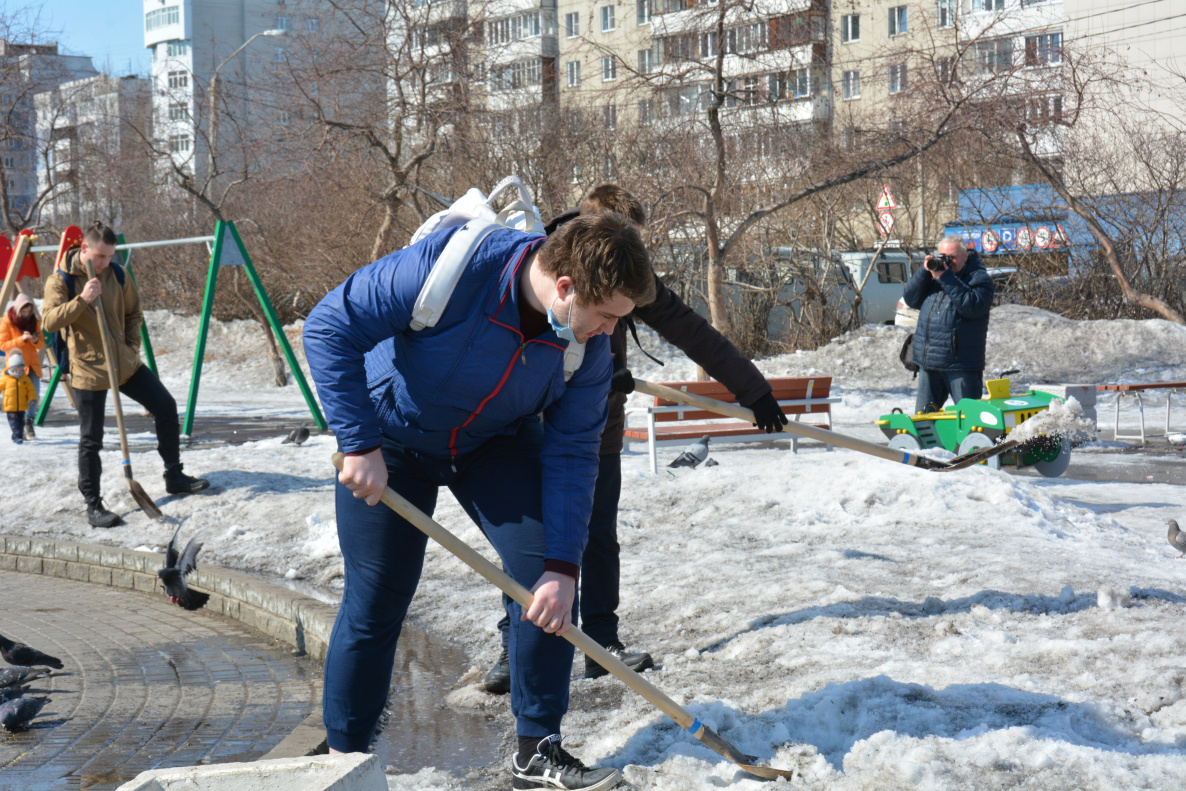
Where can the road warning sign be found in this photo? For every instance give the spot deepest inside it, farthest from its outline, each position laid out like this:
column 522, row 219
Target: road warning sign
column 886, row 201
column 1042, row 237
column 1025, row 239
column 885, row 223
column 989, row 241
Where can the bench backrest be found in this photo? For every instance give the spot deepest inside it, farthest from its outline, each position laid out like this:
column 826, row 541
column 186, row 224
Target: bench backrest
column 785, row 389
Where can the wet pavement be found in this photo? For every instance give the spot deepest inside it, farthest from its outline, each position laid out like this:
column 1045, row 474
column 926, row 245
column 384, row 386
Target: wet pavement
column 145, row 685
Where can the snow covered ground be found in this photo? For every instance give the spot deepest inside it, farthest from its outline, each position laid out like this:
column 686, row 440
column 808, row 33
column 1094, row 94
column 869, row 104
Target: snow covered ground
column 872, row 624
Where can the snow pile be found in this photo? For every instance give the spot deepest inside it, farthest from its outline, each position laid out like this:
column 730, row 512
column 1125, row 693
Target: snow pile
column 1061, row 418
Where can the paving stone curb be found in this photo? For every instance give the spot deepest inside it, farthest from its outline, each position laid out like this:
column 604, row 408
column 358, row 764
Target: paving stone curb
column 297, row 620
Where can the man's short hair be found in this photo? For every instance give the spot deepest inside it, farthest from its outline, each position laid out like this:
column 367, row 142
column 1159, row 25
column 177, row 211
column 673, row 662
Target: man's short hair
column 99, row 232
column 604, row 255
column 956, row 240
column 611, row 197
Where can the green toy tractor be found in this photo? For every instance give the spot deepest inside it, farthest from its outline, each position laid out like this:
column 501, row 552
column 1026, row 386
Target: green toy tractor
column 974, row 424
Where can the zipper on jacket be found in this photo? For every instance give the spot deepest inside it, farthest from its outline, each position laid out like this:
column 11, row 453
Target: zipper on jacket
column 523, row 352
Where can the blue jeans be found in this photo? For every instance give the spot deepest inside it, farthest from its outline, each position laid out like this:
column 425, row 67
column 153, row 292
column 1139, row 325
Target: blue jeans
column 601, row 566
column 31, row 413
column 935, row 386
column 498, row 485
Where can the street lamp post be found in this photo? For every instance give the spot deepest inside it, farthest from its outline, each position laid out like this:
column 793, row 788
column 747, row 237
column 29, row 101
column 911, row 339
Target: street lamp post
column 212, row 122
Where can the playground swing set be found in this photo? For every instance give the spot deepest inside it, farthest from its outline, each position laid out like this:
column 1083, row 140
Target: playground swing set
column 226, row 249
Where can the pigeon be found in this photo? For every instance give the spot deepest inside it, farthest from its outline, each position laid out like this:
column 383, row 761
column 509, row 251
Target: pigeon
column 297, row 436
column 1177, row 439
column 1176, row 537
column 12, row 693
column 693, row 455
column 172, row 576
column 15, row 653
column 19, row 674
column 16, row 714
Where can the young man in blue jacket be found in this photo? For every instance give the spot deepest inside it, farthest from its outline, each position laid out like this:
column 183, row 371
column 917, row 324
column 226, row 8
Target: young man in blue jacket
column 953, row 294
column 455, row 405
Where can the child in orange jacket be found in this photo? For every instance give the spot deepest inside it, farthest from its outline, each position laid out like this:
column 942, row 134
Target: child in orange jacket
column 17, row 394
column 20, row 329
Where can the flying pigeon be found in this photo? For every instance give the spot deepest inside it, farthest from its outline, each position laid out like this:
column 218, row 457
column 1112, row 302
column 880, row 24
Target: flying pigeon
column 693, row 455
column 12, row 693
column 172, row 576
column 19, row 674
column 16, row 714
column 297, row 436
column 15, row 653
column 1176, row 537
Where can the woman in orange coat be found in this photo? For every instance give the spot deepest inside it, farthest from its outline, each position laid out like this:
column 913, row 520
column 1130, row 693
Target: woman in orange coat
column 20, row 330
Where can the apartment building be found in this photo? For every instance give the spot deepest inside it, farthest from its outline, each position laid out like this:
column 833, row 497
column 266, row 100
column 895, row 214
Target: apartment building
column 607, row 60
column 88, row 125
column 26, row 70
column 518, row 53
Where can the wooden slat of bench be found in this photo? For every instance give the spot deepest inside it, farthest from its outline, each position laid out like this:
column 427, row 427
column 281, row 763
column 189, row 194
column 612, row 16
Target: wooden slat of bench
column 1144, row 386
column 785, row 389
column 712, row 429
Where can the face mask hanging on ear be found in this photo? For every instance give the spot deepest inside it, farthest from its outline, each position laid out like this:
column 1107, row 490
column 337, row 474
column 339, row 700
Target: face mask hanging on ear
column 562, row 332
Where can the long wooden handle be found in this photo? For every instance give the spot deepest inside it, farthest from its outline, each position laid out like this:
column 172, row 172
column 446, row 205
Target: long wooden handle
column 507, row 585
column 14, row 266
column 112, row 373
column 793, row 427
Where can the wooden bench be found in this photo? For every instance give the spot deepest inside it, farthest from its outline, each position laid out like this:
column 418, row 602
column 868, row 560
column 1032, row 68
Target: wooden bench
column 1136, row 390
column 798, row 396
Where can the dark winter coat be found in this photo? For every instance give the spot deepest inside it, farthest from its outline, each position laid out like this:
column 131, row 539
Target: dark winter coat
column 686, row 329
column 952, row 316
column 447, row 389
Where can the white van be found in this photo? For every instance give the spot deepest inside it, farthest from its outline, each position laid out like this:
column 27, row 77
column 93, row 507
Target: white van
column 879, row 297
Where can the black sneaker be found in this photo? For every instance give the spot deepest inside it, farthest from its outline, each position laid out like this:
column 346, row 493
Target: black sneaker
column 177, row 482
column 637, row 662
column 498, row 680
column 29, row 432
column 553, row 767
column 99, row 516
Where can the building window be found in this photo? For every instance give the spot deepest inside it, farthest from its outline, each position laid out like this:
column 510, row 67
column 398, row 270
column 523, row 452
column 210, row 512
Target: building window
column 177, row 49
column 897, row 77
column 285, row 118
column 573, row 71
column 179, row 144
column 800, row 80
column 572, row 25
column 946, row 14
column 282, row 22
column 161, row 17
column 995, row 55
column 946, row 67
column 643, row 11
column 747, row 38
column 645, row 113
column 850, row 28
column 851, row 85
column 313, row 24
column 521, row 74
column 897, row 20
column 683, row 101
column 1043, row 50
column 609, row 116
column 609, row 68
column 989, row 5
column 278, row 55
column 177, row 111
column 646, row 61
column 10, row 162
column 1043, row 110
column 178, row 79
column 607, row 18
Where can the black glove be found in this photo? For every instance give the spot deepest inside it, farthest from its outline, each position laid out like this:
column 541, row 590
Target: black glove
column 768, row 414
column 621, row 381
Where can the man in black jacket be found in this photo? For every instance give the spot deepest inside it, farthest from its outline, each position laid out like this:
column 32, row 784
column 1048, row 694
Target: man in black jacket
column 683, row 327
column 953, row 295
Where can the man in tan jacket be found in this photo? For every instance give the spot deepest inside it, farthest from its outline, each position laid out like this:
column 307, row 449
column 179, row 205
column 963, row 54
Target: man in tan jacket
column 70, row 305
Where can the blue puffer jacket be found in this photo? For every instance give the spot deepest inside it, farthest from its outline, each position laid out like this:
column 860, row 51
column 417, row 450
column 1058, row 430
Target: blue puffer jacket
column 952, row 316
column 447, row 389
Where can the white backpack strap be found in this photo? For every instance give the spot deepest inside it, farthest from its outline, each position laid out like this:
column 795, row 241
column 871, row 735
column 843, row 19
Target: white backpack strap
column 574, row 355
column 446, row 271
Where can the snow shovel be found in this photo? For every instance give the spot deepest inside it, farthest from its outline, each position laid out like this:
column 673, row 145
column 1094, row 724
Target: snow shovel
column 822, row 434
column 138, row 494
column 591, row 648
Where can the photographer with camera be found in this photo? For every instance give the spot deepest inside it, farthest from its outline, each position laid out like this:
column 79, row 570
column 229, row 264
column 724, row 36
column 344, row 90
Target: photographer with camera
column 953, row 294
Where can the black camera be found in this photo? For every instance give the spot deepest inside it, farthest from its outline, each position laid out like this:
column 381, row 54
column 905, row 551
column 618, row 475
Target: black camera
column 938, row 262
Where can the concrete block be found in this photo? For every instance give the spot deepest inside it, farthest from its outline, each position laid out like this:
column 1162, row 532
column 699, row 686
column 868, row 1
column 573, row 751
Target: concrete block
column 65, row 550
column 90, row 553
column 41, row 547
column 78, row 571
column 111, row 557
column 308, row 738
column 122, row 578
column 144, row 582
column 8, row 562
column 1084, row 394
column 28, row 564
column 100, row 575
column 17, row 545
column 53, row 567
column 353, row 772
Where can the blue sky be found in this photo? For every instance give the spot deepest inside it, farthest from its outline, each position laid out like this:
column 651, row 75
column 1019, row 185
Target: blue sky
column 110, row 31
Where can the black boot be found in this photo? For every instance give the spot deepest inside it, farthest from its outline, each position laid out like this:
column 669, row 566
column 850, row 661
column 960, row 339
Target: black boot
column 177, row 482
column 637, row 662
column 99, row 516
column 498, row 680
